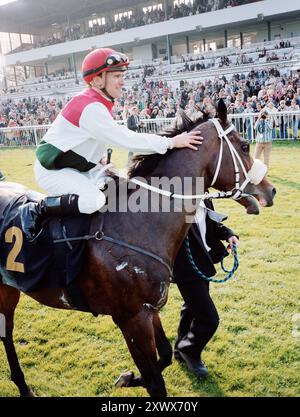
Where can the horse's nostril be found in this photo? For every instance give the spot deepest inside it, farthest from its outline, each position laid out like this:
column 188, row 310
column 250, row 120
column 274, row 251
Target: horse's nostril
column 273, row 192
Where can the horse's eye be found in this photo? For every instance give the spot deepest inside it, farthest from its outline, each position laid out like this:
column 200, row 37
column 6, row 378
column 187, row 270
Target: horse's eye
column 246, row 147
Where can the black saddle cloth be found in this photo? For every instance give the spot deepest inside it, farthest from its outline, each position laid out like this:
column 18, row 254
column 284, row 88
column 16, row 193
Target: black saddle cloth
column 41, row 264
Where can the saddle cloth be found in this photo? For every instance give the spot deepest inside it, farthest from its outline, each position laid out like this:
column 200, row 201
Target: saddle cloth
column 32, row 266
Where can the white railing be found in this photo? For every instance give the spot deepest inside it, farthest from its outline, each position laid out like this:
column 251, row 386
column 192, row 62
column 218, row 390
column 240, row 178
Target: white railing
column 286, row 126
column 22, row 135
column 155, row 125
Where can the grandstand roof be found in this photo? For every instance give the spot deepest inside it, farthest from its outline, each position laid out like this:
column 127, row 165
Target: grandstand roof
column 26, row 16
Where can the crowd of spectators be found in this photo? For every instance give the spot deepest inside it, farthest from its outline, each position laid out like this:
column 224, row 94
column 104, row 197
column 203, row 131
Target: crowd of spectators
column 213, row 60
column 283, row 44
column 139, row 17
column 237, row 59
column 226, row 61
column 29, row 111
column 234, row 57
column 242, row 93
column 64, row 81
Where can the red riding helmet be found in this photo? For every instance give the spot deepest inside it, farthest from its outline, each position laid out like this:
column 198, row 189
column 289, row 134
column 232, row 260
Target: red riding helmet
column 103, row 59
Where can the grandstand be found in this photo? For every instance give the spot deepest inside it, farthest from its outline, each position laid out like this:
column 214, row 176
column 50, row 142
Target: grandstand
column 47, row 40
column 176, row 47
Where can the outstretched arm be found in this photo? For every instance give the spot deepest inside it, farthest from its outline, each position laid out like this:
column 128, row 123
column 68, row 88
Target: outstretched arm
column 96, row 120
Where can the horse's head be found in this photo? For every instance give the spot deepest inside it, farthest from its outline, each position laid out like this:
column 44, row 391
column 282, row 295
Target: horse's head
column 246, row 175
column 225, row 164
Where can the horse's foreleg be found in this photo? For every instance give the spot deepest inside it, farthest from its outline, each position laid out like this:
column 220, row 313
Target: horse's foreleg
column 164, row 350
column 9, row 298
column 140, row 338
column 163, row 346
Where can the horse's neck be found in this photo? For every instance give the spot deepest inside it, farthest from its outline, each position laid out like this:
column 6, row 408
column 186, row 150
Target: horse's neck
column 161, row 232
column 184, row 164
column 172, row 227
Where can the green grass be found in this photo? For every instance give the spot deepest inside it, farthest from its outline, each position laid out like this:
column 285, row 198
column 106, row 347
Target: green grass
column 253, row 352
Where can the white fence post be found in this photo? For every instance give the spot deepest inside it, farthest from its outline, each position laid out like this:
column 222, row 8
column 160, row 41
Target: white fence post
column 35, row 137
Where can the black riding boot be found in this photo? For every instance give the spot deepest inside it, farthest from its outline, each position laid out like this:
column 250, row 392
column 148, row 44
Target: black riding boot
column 31, row 214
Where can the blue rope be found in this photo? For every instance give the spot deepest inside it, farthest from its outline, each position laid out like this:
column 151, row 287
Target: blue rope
column 201, row 275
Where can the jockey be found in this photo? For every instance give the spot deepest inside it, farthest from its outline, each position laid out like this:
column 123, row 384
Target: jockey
column 67, row 164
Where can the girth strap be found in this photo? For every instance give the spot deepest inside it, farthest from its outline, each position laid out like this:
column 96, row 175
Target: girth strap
column 99, row 235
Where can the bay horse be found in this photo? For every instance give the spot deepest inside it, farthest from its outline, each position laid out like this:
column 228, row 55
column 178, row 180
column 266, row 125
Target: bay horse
column 130, row 286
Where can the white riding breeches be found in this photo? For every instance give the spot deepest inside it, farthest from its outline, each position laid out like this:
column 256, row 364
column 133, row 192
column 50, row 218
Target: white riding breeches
column 70, row 181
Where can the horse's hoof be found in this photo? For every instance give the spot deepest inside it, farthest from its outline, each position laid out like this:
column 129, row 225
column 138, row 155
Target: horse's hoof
column 30, row 393
column 124, row 379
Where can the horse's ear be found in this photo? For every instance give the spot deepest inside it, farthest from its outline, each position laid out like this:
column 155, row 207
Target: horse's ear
column 187, row 123
column 222, row 111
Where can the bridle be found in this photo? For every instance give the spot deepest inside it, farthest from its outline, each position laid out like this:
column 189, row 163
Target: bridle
column 253, row 176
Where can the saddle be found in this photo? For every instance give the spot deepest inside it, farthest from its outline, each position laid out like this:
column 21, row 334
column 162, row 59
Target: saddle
column 32, row 266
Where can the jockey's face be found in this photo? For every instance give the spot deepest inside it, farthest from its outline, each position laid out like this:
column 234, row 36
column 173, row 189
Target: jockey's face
column 114, row 83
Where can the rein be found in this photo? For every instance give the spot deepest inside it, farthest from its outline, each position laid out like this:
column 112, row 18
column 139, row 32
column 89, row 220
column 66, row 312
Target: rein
column 203, row 276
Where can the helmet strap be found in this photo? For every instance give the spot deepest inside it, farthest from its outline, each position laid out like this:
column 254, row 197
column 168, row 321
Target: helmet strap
column 107, row 94
column 103, row 89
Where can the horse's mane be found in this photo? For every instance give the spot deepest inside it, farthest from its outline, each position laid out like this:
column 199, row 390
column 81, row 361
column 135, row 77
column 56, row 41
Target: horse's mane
column 142, row 165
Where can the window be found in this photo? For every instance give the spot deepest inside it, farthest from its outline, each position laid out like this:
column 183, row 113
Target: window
column 186, row 2
column 197, row 48
column 119, row 16
column 212, row 46
column 157, row 6
column 8, row 43
column 234, row 43
column 99, row 21
column 25, row 38
column 247, row 40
